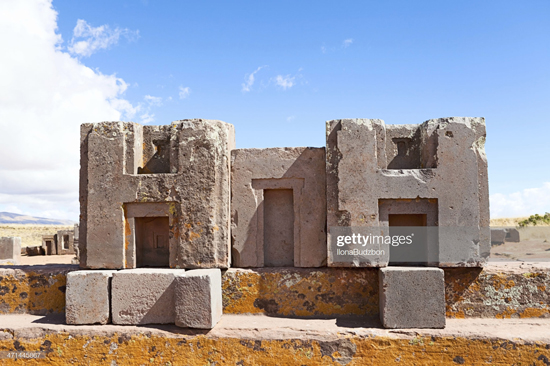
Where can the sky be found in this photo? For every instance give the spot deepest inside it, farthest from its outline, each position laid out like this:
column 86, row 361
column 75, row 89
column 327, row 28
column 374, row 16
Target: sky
column 275, row 70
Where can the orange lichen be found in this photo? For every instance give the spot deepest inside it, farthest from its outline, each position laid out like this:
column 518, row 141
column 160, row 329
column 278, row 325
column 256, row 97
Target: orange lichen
column 121, row 349
column 35, row 293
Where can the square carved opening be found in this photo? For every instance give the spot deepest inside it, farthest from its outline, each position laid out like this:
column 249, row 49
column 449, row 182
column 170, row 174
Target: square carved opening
column 416, row 217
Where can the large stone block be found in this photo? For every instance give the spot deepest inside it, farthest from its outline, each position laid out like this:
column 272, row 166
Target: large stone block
column 155, row 195
column 498, row 236
column 198, row 299
column 435, row 171
column 278, row 207
column 87, row 297
column 144, row 296
column 10, row 249
column 412, row 297
column 512, row 235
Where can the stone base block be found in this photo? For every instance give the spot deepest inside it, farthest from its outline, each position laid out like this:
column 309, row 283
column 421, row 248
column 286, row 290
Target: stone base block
column 144, row 296
column 412, row 297
column 199, row 298
column 87, row 297
column 10, row 249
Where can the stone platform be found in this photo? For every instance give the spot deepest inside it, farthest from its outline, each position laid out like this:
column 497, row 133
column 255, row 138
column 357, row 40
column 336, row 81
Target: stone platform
column 263, row 340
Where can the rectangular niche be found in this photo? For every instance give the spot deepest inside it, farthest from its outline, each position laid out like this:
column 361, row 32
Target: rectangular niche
column 410, row 147
column 147, row 235
column 278, row 221
column 156, row 156
column 405, row 217
column 152, row 248
column 278, row 228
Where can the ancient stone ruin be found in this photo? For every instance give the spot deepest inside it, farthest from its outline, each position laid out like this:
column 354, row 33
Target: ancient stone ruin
column 164, row 208
column 10, row 250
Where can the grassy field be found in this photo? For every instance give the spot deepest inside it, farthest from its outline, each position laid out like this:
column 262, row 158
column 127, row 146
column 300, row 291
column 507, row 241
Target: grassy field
column 31, row 235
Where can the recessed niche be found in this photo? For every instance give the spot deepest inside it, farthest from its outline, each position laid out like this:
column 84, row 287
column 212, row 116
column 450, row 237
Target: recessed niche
column 157, row 157
column 411, row 216
column 152, row 245
column 278, row 228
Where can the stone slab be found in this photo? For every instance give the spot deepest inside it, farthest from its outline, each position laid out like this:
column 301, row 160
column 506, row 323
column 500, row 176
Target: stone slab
column 10, row 249
column 198, row 298
column 143, row 296
column 278, row 207
column 412, row 297
column 263, row 340
column 87, row 297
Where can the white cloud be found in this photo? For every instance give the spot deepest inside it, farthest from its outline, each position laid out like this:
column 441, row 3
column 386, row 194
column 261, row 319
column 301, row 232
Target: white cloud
column 146, row 118
column 523, row 203
column 347, row 42
column 88, row 40
column 153, row 101
column 285, row 82
column 184, row 92
column 323, row 49
column 249, row 80
column 290, row 118
column 46, row 94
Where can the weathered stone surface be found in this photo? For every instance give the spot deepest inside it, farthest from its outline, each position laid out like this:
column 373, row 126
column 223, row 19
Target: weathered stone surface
column 33, row 289
column 264, row 340
column 10, row 249
column 198, row 298
column 442, row 159
column 278, row 207
column 143, row 296
column 155, row 187
column 88, row 297
column 412, row 297
column 498, row 236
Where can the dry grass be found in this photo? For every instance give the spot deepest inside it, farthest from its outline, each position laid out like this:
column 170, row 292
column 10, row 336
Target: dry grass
column 511, row 221
column 507, row 221
column 31, row 235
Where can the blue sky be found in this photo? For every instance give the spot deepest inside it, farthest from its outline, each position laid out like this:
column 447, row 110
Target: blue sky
column 312, row 61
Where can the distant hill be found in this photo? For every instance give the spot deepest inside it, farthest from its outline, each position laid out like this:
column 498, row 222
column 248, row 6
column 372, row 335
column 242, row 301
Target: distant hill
column 12, row 218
